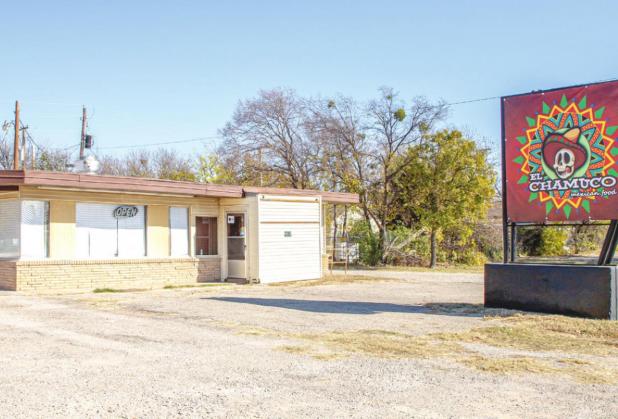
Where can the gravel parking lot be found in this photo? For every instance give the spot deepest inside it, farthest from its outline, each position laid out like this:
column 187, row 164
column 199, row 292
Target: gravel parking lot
column 375, row 345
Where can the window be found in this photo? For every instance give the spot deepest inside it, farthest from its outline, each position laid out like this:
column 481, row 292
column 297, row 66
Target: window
column 34, row 229
column 107, row 231
column 9, row 229
column 205, row 236
column 179, row 231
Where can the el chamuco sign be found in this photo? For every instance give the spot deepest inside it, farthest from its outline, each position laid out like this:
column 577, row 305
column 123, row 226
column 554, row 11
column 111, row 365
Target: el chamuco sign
column 560, row 154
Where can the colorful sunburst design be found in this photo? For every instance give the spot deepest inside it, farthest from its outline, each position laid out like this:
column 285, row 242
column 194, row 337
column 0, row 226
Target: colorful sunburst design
column 594, row 139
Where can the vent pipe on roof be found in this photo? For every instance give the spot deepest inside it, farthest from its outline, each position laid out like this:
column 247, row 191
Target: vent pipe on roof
column 88, row 165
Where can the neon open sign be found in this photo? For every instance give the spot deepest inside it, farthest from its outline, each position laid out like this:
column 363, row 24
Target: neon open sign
column 125, row 211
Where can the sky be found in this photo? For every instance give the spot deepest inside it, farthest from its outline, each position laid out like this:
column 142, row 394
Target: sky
column 161, row 71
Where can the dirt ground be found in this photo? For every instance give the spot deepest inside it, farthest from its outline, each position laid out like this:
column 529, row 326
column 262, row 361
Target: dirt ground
column 379, row 344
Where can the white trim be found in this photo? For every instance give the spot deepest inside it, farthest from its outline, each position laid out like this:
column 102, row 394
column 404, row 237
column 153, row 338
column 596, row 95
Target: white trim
column 244, row 213
column 51, row 188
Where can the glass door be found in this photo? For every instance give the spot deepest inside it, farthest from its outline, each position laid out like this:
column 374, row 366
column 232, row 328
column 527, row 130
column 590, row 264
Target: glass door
column 236, row 245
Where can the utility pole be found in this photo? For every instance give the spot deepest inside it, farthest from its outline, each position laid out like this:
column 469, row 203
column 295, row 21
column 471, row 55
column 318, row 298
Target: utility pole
column 23, row 147
column 32, row 156
column 16, row 143
column 83, row 141
column 260, row 163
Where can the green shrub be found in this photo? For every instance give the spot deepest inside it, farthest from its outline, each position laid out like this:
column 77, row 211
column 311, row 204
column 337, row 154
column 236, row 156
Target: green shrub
column 407, row 246
column 543, row 241
column 553, row 241
column 368, row 242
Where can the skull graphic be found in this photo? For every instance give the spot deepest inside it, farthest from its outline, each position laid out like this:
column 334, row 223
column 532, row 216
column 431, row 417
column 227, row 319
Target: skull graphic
column 564, row 163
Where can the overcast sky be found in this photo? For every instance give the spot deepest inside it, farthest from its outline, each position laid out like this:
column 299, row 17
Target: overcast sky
column 156, row 71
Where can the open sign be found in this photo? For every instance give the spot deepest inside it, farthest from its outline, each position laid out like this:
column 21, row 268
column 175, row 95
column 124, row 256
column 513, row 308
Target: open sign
column 125, row 211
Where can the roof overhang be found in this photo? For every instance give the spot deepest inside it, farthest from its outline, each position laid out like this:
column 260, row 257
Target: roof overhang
column 330, row 197
column 86, row 182
column 116, row 183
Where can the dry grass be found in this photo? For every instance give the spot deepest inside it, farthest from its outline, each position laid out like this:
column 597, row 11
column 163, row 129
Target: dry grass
column 508, row 365
column 546, row 338
column 310, row 351
column 384, row 344
column 258, row 331
column 545, row 333
column 584, row 372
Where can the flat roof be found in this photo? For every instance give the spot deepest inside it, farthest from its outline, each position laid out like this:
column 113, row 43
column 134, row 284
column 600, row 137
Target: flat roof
column 83, row 181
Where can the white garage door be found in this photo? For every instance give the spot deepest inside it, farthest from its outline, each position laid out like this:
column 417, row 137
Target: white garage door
column 289, row 239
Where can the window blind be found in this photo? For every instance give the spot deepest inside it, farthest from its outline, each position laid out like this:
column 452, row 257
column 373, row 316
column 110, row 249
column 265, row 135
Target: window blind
column 34, row 229
column 9, row 229
column 179, row 231
column 100, row 235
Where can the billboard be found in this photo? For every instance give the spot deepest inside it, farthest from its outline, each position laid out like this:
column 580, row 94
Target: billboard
column 560, row 154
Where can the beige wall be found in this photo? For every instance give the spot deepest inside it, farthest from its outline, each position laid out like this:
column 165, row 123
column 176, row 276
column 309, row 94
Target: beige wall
column 58, row 275
column 158, row 233
column 61, row 229
column 62, row 216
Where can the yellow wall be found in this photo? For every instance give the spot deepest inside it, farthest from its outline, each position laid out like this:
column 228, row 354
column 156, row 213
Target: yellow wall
column 158, row 234
column 61, row 229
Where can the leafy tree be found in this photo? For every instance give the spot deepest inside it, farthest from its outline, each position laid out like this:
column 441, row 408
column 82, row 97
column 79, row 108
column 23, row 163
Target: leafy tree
column 553, row 241
column 447, row 183
column 586, row 239
column 368, row 242
column 211, row 169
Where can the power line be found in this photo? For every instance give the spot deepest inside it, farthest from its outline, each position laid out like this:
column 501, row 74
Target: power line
column 462, row 102
column 193, row 140
column 484, row 99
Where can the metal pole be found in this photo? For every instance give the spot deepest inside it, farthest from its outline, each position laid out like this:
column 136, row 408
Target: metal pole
column 609, row 245
column 16, row 143
column 505, row 228
column 513, row 242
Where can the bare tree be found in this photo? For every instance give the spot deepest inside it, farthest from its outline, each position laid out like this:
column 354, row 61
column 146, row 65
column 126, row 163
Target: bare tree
column 161, row 164
column 6, row 161
column 363, row 146
column 110, row 165
column 169, row 165
column 272, row 130
column 393, row 127
column 52, row 160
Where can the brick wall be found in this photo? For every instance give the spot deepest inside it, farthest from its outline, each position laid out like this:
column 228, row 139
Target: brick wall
column 56, row 275
column 7, row 275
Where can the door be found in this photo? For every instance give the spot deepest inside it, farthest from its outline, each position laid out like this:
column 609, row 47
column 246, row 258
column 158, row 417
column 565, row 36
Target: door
column 289, row 239
column 236, row 246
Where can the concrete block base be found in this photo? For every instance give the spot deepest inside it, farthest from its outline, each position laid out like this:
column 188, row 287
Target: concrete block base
column 585, row 291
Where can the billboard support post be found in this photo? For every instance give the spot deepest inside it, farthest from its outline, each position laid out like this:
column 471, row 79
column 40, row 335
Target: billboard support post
column 609, row 245
column 513, row 242
column 505, row 227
